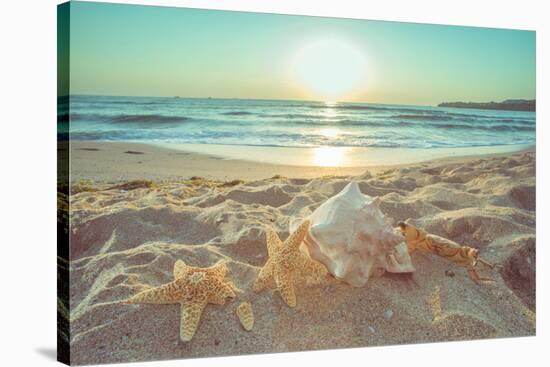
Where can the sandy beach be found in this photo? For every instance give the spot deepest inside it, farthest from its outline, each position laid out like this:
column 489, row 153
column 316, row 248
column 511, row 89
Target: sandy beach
column 126, row 236
column 123, row 161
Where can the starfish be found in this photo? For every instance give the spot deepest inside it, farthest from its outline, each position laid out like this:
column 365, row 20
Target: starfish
column 193, row 288
column 285, row 260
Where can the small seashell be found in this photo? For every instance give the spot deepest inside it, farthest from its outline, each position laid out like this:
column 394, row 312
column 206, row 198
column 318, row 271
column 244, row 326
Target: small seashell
column 388, row 314
column 246, row 316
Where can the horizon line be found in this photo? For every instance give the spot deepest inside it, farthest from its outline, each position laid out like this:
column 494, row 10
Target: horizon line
column 288, row 100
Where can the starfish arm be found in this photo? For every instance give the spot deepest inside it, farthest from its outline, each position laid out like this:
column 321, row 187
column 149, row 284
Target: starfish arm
column 180, row 268
column 315, row 271
column 264, row 277
column 220, row 291
column 190, row 317
column 218, row 269
column 164, row 294
column 285, row 286
column 296, row 238
column 272, row 240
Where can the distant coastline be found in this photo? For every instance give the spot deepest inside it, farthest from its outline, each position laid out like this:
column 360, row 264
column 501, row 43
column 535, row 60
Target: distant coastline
column 508, row 105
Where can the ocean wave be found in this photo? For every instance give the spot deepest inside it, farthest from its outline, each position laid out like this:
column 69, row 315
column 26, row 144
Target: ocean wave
column 236, row 113
column 85, row 116
column 290, row 116
column 389, row 108
column 321, row 122
column 423, row 117
column 147, row 118
column 469, row 115
column 152, row 118
column 347, row 107
column 517, row 121
column 510, row 128
column 291, row 140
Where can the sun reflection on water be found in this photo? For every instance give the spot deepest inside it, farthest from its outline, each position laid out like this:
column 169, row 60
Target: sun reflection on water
column 329, row 156
column 330, row 132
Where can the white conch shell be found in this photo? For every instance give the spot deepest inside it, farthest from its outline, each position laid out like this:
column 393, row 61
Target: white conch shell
column 352, row 238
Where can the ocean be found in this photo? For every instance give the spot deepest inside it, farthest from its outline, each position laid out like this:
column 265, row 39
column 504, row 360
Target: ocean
column 281, row 123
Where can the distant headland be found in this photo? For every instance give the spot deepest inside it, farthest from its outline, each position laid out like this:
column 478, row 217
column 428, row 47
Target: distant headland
column 509, row 104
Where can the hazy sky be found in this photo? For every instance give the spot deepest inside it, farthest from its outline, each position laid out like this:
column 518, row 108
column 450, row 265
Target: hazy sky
column 162, row 51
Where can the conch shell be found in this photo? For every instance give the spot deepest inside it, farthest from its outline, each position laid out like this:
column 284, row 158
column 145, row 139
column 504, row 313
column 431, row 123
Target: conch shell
column 351, row 237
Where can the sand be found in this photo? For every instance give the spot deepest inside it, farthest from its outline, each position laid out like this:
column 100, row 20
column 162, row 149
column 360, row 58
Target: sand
column 116, row 162
column 126, row 236
column 122, row 161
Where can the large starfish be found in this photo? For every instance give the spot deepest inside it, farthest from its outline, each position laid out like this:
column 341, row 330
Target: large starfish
column 285, row 260
column 193, row 288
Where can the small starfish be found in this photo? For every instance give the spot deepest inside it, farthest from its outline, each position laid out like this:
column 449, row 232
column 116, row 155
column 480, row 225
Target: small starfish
column 285, row 260
column 193, row 288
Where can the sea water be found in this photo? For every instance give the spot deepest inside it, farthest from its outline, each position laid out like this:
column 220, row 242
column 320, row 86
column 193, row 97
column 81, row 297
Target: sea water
column 282, row 123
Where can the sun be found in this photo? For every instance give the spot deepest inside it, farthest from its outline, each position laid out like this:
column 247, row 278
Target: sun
column 330, row 69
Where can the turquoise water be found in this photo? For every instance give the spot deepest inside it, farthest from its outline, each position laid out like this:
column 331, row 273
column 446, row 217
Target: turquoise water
column 290, row 123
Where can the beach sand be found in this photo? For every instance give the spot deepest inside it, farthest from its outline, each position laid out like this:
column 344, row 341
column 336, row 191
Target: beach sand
column 121, row 161
column 126, row 236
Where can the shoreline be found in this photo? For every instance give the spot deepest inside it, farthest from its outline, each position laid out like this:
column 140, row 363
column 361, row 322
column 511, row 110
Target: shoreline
column 122, row 161
column 332, row 156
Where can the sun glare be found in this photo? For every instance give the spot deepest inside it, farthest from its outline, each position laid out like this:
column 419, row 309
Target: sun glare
column 330, row 69
column 329, row 156
column 330, row 133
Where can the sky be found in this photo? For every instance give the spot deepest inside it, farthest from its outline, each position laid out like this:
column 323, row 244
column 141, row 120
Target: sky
column 134, row 50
